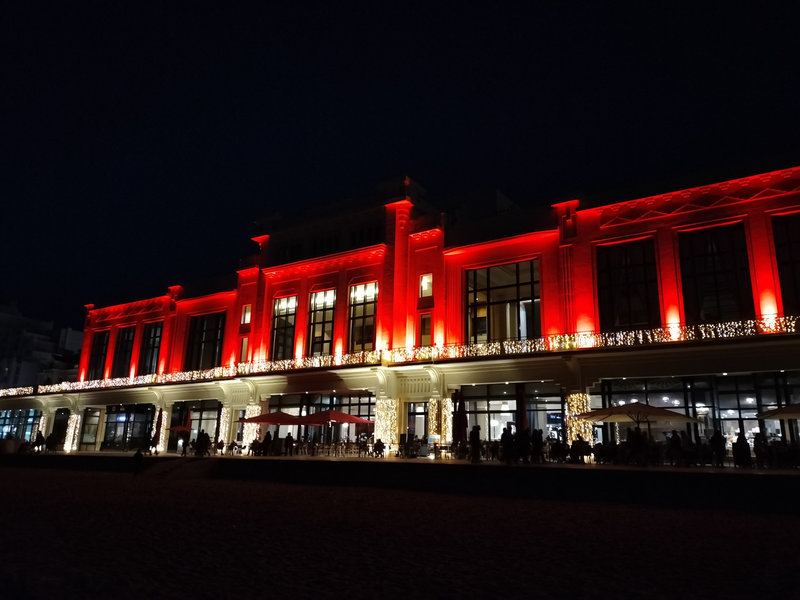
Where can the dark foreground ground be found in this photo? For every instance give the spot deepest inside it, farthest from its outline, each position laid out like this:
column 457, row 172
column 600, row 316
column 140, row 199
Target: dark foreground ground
column 87, row 527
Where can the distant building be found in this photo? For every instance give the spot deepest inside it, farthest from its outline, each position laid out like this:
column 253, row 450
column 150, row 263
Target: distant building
column 34, row 351
column 391, row 310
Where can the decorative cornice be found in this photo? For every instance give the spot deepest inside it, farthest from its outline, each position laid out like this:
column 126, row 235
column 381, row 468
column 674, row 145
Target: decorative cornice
column 727, row 193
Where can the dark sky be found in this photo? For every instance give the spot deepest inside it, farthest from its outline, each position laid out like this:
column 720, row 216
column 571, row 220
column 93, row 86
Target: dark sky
column 140, row 140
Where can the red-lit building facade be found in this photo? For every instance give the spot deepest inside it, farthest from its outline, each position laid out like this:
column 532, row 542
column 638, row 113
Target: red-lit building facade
column 688, row 300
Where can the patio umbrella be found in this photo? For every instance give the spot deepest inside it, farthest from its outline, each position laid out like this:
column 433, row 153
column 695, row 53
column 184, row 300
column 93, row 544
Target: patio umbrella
column 792, row 411
column 330, row 416
column 635, row 412
column 186, row 426
column 273, row 418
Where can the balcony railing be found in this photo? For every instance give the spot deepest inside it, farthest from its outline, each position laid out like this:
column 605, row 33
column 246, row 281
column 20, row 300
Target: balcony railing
column 553, row 343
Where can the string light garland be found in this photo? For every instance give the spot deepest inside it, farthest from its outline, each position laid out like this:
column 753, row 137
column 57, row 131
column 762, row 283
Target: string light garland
column 73, row 429
column 386, row 420
column 577, row 404
column 17, row 391
column 554, row 343
column 251, row 430
column 40, row 425
column 434, row 417
column 447, row 420
column 224, row 423
column 161, row 442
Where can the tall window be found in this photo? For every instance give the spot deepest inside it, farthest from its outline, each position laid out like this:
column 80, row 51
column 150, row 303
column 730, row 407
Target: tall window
column 426, row 285
column 97, row 357
column 122, row 352
column 151, row 345
column 363, row 303
column 716, row 275
column 425, row 330
column 320, row 323
column 283, row 320
column 627, row 286
column 204, row 346
column 503, row 302
column 246, row 310
column 787, row 252
column 89, row 426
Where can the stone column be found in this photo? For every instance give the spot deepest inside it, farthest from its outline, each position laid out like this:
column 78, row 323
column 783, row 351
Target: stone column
column 101, row 429
column 386, row 419
column 73, row 431
column 578, row 403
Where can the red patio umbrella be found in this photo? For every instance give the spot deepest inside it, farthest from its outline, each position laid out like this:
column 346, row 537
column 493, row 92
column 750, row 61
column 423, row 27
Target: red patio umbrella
column 186, row 426
column 273, row 418
column 330, row 416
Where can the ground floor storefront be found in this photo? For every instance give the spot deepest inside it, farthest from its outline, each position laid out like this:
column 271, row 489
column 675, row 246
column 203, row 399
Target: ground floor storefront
column 717, row 387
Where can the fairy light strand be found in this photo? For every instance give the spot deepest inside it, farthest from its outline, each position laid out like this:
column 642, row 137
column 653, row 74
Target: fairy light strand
column 553, row 343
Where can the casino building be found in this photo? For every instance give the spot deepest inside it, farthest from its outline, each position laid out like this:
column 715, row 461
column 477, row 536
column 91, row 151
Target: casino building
column 389, row 309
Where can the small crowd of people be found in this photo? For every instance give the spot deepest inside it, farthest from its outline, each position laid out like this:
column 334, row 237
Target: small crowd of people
column 638, row 448
column 679, row 450
column 40, row 444
column 524, row 446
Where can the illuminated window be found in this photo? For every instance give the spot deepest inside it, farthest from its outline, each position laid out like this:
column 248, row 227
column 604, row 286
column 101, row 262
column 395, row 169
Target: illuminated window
column 320, row 323
column 151, row 345
column 503, row 303
column 246, row 309
column 426, row 285
column 627, row 286
column 204, row 346
column 425, row 330
column 243, row 350
column 363, row 304
column 417, row 420
column 97, row 357
column 284, row 312
column 716, row 275
column 19, row 423
column 787, row 253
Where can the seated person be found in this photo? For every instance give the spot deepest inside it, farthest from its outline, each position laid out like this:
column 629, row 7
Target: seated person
column 378, row 448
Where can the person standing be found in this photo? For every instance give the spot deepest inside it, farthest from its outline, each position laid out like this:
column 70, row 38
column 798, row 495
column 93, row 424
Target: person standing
column 39, row 444
column 717, row 443
column 507, row 445
column 266, row 446
column 475, row 444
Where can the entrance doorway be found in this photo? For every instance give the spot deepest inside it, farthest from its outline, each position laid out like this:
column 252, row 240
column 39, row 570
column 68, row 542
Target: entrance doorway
column 417, row 420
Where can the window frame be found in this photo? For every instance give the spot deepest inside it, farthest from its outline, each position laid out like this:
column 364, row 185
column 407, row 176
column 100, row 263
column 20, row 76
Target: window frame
column 283, row 332
column 623, row 268
column 362, row 317
column 483, row 299
column 321, row 317
column 204, row 342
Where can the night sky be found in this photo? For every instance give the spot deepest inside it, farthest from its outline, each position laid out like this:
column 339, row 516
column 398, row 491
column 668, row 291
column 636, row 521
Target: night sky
column 141, row 140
